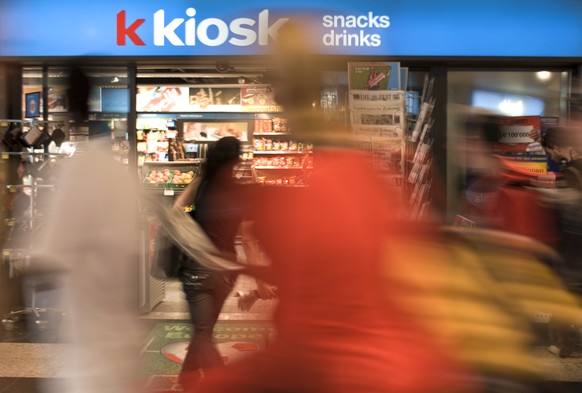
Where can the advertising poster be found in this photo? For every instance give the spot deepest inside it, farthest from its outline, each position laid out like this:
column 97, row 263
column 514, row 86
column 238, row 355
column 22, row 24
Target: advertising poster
column 258, row 99
column 215, row 99
column 520, row 135
column 520, row 142
column 32, row 105
column 57, row 99
column 534, row 164
column 205, row 131
column 374, row 76
column 162, row 99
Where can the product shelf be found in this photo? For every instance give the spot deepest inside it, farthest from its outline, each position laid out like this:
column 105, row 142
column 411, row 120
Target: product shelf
column 180, row 162
column 281, row 167
column 274, row 133
column 279, row 152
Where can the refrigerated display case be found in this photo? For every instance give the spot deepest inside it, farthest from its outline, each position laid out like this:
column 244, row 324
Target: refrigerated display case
column 162, row 182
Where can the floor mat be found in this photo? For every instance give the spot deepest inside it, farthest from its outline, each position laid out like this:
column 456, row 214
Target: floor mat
column 167, row 344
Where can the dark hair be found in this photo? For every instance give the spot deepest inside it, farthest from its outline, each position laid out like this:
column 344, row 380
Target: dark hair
column 556, row 137
column 220, row 154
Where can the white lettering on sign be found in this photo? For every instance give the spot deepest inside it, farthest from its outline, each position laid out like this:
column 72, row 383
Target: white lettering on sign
column 350, row 30
column 190, row 31
column 516, row 134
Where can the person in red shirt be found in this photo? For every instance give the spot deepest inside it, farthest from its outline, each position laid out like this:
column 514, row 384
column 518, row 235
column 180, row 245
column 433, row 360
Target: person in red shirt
column 337, row 331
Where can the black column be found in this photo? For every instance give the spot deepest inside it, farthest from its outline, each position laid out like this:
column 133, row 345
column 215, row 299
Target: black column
column 440, row 178
column 132, row 118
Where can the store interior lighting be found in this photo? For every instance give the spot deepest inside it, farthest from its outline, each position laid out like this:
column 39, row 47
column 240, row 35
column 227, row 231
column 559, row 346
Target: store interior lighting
column 543, row 75
column 199, row 75
column 508, row 104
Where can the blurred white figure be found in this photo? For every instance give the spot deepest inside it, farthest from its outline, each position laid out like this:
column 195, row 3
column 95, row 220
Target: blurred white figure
column 92, row 239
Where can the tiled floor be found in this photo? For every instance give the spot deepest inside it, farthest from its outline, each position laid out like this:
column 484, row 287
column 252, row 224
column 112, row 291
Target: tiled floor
column 21, row 360
column 26, row 367
column 20, row 385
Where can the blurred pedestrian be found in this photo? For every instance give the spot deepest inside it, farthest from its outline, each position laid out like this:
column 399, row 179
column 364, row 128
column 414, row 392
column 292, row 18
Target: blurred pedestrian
column 559, row 143
column 500, row 194
column 90, row 244
column 336, row 330
column 220, row 209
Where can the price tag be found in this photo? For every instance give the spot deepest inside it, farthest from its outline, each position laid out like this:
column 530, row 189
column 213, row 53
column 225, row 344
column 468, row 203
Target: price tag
column 168, row 192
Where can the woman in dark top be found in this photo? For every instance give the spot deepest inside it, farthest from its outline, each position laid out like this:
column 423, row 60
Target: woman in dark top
column 220, row 211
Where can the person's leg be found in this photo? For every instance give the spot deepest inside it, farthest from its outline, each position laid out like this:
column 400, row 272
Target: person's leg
column 202, row 353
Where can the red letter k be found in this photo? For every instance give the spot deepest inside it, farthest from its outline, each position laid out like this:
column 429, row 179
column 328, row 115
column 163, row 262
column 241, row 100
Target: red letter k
column 123, row 31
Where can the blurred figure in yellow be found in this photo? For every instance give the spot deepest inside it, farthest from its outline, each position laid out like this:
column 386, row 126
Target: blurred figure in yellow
column 478, row 290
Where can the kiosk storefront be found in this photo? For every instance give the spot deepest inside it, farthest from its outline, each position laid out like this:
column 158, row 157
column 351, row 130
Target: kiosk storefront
column 197, row 49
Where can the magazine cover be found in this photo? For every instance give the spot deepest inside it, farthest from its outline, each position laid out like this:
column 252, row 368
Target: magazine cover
column 374, row 76
column 520, row 142
column 520, row 134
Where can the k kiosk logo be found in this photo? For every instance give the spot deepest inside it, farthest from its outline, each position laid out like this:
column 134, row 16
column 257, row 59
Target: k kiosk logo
column 190, row 31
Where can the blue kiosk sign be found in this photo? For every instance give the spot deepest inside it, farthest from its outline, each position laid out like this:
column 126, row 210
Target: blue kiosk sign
column 445, row 28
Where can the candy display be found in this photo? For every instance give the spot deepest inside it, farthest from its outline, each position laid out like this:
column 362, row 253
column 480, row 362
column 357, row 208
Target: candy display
column 283, row 161
column 277, row 124
column 282, row 181
column 267, row 145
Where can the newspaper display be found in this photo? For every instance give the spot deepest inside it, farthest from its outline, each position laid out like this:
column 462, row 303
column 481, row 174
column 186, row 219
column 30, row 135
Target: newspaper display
column 420, row 149
column 378, row 121
column 377, row 114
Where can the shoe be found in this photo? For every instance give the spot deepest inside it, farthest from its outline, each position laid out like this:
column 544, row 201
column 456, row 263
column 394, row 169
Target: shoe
column 563, row 351
column 554, row 349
